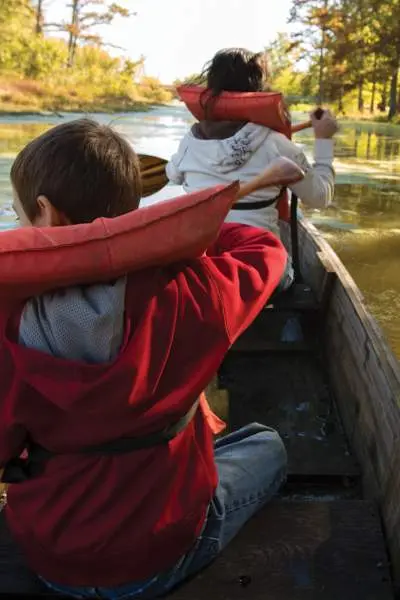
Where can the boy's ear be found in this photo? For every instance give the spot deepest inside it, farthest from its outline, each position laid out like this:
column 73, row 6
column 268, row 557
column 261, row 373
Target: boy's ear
column 48, row 215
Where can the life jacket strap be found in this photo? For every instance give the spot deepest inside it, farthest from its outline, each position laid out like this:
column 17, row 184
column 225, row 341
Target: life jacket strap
column 256, row 205
column 20, row 469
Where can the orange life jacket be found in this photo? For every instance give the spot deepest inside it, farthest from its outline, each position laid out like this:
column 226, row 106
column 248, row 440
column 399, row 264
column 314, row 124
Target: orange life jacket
column 36, row 260
column 262, row 108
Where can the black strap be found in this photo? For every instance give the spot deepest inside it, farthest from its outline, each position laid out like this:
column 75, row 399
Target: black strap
column 257, row 205
column 19, row 469
column 294, row 234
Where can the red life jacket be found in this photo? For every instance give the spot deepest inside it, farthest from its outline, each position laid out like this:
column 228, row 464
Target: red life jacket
column 262, row 108
column 108, row 520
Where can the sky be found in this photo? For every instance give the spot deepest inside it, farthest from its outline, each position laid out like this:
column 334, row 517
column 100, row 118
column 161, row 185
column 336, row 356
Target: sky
column 178, row 36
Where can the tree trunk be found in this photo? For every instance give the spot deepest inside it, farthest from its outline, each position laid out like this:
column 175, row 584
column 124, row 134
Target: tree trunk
column 340, row 102
column 382, row 104
column 39, row 18
column 73, row 36
column 73, row 50
column 372, row 105
column 360, row 96
column 369, row 146
column 321, row 71
column 393, row 90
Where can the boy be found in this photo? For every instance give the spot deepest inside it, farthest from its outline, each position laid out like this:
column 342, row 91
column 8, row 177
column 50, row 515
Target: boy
column 89, row 365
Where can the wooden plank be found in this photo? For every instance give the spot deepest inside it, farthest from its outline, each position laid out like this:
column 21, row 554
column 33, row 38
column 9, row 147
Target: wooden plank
column 289, row 393
column 301, row 551
column 365, row 376
column 390, row 364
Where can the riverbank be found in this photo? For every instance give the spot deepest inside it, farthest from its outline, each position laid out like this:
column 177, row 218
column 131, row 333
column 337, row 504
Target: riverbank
column 29, row 97
column 353, row 116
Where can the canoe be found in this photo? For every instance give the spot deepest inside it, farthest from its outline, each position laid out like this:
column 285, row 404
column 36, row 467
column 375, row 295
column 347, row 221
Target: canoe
column 333, row 394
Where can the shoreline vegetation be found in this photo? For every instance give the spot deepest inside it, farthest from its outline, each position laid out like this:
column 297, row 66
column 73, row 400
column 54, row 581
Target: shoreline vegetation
column 352, row 115
column 52, row 67
column 24, row 97
column 29, row 97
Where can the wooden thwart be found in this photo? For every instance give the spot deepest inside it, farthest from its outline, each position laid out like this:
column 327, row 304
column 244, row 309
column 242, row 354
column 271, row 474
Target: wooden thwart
column 301, row 551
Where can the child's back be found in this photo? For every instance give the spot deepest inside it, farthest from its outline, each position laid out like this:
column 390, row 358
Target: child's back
column 215, row 152
column 92, row 365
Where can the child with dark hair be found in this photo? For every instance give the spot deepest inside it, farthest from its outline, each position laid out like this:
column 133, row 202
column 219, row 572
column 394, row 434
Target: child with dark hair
column 215, row 152
column 88, row 366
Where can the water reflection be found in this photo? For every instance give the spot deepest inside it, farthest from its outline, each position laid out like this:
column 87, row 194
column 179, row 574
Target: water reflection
column 363, row 225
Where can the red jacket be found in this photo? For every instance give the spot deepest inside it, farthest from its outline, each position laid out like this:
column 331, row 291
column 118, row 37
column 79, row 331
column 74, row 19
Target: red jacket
column 106, row 521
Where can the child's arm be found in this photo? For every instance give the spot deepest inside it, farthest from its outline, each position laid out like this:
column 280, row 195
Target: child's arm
column 174, row 174
column 246, row 264
column 317, row 188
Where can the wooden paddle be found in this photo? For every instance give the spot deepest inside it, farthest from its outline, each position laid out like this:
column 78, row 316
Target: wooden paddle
column 152, row 168
column 300, row 126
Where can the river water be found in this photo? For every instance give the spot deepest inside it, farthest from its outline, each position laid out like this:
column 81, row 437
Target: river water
column 363, row 225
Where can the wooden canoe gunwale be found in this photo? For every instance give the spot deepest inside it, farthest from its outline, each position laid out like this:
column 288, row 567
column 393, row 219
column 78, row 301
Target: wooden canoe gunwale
column 365, row 378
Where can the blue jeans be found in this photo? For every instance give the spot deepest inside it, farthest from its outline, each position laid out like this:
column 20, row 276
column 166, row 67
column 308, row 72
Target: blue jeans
column 286, row 280
column 251, row 464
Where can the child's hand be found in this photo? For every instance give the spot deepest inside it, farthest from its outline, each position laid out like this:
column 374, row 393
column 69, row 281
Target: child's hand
column 326, row 126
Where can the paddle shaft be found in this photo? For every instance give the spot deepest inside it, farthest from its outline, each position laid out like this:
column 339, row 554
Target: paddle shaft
column 301, row 126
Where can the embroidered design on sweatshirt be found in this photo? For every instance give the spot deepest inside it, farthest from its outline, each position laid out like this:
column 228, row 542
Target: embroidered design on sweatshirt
column 240, row 150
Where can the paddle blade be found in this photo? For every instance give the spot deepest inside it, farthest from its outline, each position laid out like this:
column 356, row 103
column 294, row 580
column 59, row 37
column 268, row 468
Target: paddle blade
column 152, row 169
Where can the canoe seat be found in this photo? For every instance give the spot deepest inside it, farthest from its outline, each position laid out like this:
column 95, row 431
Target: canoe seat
column 298, row 298
column 291, row 322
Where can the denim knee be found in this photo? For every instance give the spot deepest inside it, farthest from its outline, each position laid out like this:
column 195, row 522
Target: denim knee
column 254, row 428
column 272, row 451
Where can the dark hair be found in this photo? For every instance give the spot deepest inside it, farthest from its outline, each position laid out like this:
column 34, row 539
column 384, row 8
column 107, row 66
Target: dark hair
column 234, row 70
column 86, row 170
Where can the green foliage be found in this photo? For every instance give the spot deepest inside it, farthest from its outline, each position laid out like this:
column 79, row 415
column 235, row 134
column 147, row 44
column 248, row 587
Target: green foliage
column 193, row 79
column 34, row 71
column 352, row 48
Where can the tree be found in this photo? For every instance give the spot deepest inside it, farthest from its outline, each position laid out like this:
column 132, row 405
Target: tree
column 316, row 18
column 388, row 28
column 16, row 25
column 39, row 17
column 86, row 16
column 356, row 42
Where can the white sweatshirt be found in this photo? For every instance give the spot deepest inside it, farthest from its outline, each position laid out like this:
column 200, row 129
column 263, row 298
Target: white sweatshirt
column 202, row 163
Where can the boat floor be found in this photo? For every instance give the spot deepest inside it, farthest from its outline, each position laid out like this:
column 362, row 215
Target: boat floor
column 301, row 551
column 290, row 392
column 290, row 551
column 319, row 539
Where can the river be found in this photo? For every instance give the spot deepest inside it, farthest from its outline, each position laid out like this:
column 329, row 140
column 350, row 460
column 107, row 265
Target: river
column 363, row 225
